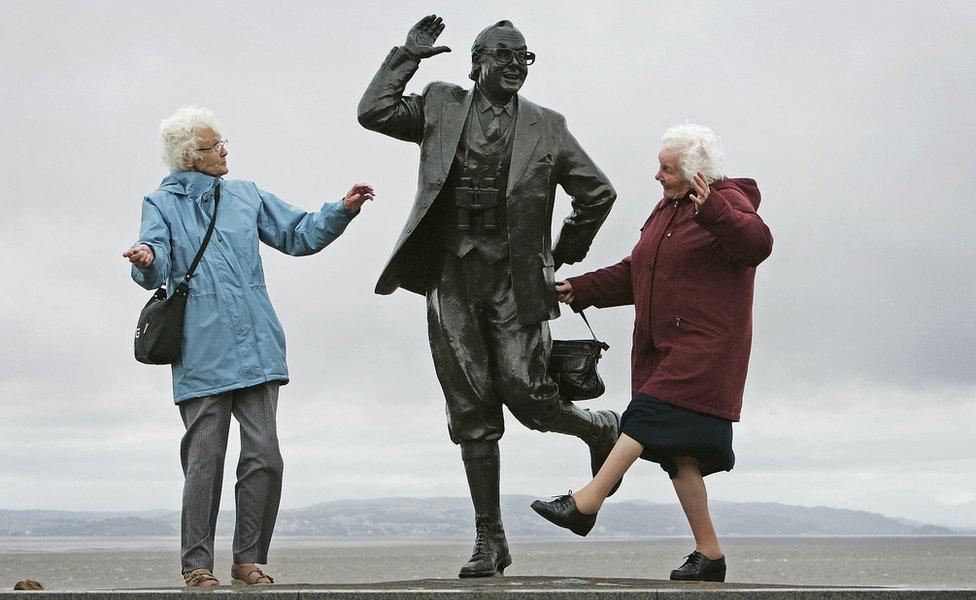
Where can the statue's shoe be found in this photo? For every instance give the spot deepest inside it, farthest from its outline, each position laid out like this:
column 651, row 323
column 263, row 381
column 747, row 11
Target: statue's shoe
column 563, row 512
column 490, row 556
column 698, row 567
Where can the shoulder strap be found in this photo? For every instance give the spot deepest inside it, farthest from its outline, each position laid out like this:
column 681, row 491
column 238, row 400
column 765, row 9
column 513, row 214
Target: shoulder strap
column 585, row 320
column 603, row 344
column 184, row 285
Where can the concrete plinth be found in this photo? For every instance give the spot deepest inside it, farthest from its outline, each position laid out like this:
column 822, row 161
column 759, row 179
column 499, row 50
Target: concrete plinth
column 511, row 588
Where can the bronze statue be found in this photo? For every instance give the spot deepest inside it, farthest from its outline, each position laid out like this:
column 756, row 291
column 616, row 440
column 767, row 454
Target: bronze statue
column 477, row 245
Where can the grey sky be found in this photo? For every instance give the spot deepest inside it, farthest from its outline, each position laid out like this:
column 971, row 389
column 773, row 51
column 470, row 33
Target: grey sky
column 855, row 119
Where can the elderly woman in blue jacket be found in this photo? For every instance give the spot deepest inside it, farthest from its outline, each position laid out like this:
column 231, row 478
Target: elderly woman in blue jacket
column 233, row 352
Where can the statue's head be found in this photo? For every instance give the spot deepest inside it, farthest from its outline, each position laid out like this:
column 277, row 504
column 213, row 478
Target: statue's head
column 499, row 60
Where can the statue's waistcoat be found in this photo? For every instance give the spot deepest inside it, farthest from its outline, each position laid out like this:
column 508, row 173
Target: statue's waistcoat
column 469, row 213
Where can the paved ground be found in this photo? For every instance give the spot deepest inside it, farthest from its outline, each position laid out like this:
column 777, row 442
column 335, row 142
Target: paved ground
column 536, row 588
column 537, row 583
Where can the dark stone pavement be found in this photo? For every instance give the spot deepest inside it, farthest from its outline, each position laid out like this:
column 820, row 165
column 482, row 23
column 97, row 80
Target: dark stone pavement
column 511, row 588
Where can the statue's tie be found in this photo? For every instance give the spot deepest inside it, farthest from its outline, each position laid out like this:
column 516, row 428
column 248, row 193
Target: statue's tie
column 494, row 130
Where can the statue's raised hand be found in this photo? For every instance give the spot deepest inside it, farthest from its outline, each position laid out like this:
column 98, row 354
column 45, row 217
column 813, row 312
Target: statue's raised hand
column 421, row 38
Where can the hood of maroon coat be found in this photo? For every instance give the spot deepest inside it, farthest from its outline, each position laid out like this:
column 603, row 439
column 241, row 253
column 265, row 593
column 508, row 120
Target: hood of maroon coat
column 744, row 185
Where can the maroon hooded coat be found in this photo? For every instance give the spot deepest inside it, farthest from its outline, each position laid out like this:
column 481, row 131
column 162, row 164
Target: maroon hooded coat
column 690, row 278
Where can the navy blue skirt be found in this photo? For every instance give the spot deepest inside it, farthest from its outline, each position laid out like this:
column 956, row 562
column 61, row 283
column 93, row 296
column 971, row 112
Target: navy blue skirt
column 667, row 431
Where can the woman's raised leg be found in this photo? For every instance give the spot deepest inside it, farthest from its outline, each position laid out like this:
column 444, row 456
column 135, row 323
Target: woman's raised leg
column 590, row 498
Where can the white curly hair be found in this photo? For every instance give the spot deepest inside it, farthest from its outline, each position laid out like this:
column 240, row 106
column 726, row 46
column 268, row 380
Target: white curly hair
column 701, row 150
column 179, row 135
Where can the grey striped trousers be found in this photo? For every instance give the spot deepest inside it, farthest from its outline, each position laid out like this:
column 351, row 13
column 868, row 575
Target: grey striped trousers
column 259, row 470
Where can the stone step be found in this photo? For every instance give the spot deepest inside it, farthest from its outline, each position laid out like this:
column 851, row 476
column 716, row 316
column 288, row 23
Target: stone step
column 509, row 588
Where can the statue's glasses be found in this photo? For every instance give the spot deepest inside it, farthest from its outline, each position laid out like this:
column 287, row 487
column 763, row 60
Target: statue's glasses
column 215, row 148
column 506, row 55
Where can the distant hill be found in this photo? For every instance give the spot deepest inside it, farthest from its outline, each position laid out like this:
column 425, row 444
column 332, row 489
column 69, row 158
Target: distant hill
column 914, row 504
column 453, row 517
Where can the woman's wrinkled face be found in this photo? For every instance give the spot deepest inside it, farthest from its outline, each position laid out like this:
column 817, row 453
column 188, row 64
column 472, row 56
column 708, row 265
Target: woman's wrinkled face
column 671, row 176
column 208, row 160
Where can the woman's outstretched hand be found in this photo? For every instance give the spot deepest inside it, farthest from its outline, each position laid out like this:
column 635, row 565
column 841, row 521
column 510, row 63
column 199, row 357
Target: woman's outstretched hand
column 140, row 255
column 564, row 292
column 356, row 196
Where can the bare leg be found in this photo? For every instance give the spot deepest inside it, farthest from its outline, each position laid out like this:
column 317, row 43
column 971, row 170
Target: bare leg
column 693, row 496
column 624, row 453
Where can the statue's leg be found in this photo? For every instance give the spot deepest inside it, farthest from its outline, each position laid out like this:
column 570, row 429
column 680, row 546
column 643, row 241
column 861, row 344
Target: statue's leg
column 522, row 358
column 491, row 555
column 599, row 429
column 481, row 468
column 455, row 316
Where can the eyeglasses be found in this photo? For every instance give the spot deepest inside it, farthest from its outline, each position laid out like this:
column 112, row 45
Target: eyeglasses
column 215, row 148
column 505, row 56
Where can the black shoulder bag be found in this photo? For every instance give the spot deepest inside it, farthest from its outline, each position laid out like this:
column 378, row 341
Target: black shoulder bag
column 159, row 334
column 572, row 365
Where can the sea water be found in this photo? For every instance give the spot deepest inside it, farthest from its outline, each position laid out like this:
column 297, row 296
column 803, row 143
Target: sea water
column 64, row 563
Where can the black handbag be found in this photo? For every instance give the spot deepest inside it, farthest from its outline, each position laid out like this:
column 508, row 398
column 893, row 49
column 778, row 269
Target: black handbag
column 572, row 365
column 159, row 333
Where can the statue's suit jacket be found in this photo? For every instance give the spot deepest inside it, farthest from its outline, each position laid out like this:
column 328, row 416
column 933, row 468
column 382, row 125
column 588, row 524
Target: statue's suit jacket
column 544, row 154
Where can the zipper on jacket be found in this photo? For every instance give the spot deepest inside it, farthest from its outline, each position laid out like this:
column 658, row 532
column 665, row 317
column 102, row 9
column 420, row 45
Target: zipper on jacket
column 650, row 289
column 692, row 326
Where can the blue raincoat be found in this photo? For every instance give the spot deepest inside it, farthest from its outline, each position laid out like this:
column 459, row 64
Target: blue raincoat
column 231, row 336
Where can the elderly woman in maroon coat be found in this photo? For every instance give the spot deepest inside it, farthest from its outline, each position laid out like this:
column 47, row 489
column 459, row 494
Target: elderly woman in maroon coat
column 690, row 278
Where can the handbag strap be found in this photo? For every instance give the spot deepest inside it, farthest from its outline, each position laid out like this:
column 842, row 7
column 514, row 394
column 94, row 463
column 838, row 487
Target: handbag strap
column 184, row 286
column 585, row 320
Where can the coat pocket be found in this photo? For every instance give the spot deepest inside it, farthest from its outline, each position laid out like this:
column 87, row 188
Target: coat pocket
column 691, row 326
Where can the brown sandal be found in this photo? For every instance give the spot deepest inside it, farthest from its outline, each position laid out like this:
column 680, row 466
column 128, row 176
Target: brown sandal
column 203, row 578
column 249, row 574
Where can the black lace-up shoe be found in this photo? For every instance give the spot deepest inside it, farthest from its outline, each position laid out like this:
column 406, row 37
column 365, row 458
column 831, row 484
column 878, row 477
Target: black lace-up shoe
column 700, row 568
column 563, row 512
column 490, row 556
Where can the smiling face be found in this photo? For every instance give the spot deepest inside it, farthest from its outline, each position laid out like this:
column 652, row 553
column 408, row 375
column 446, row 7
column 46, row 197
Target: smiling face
column 208, row 161
column 500, row 81
column 670, row 175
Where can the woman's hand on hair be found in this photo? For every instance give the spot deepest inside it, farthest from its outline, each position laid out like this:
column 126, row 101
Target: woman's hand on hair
column 140, row 255
column 564, row 292
column 700, row 185
column 356, row 196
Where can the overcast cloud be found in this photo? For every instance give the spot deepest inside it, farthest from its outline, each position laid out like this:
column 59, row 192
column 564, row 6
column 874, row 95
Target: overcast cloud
column 855, row 119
